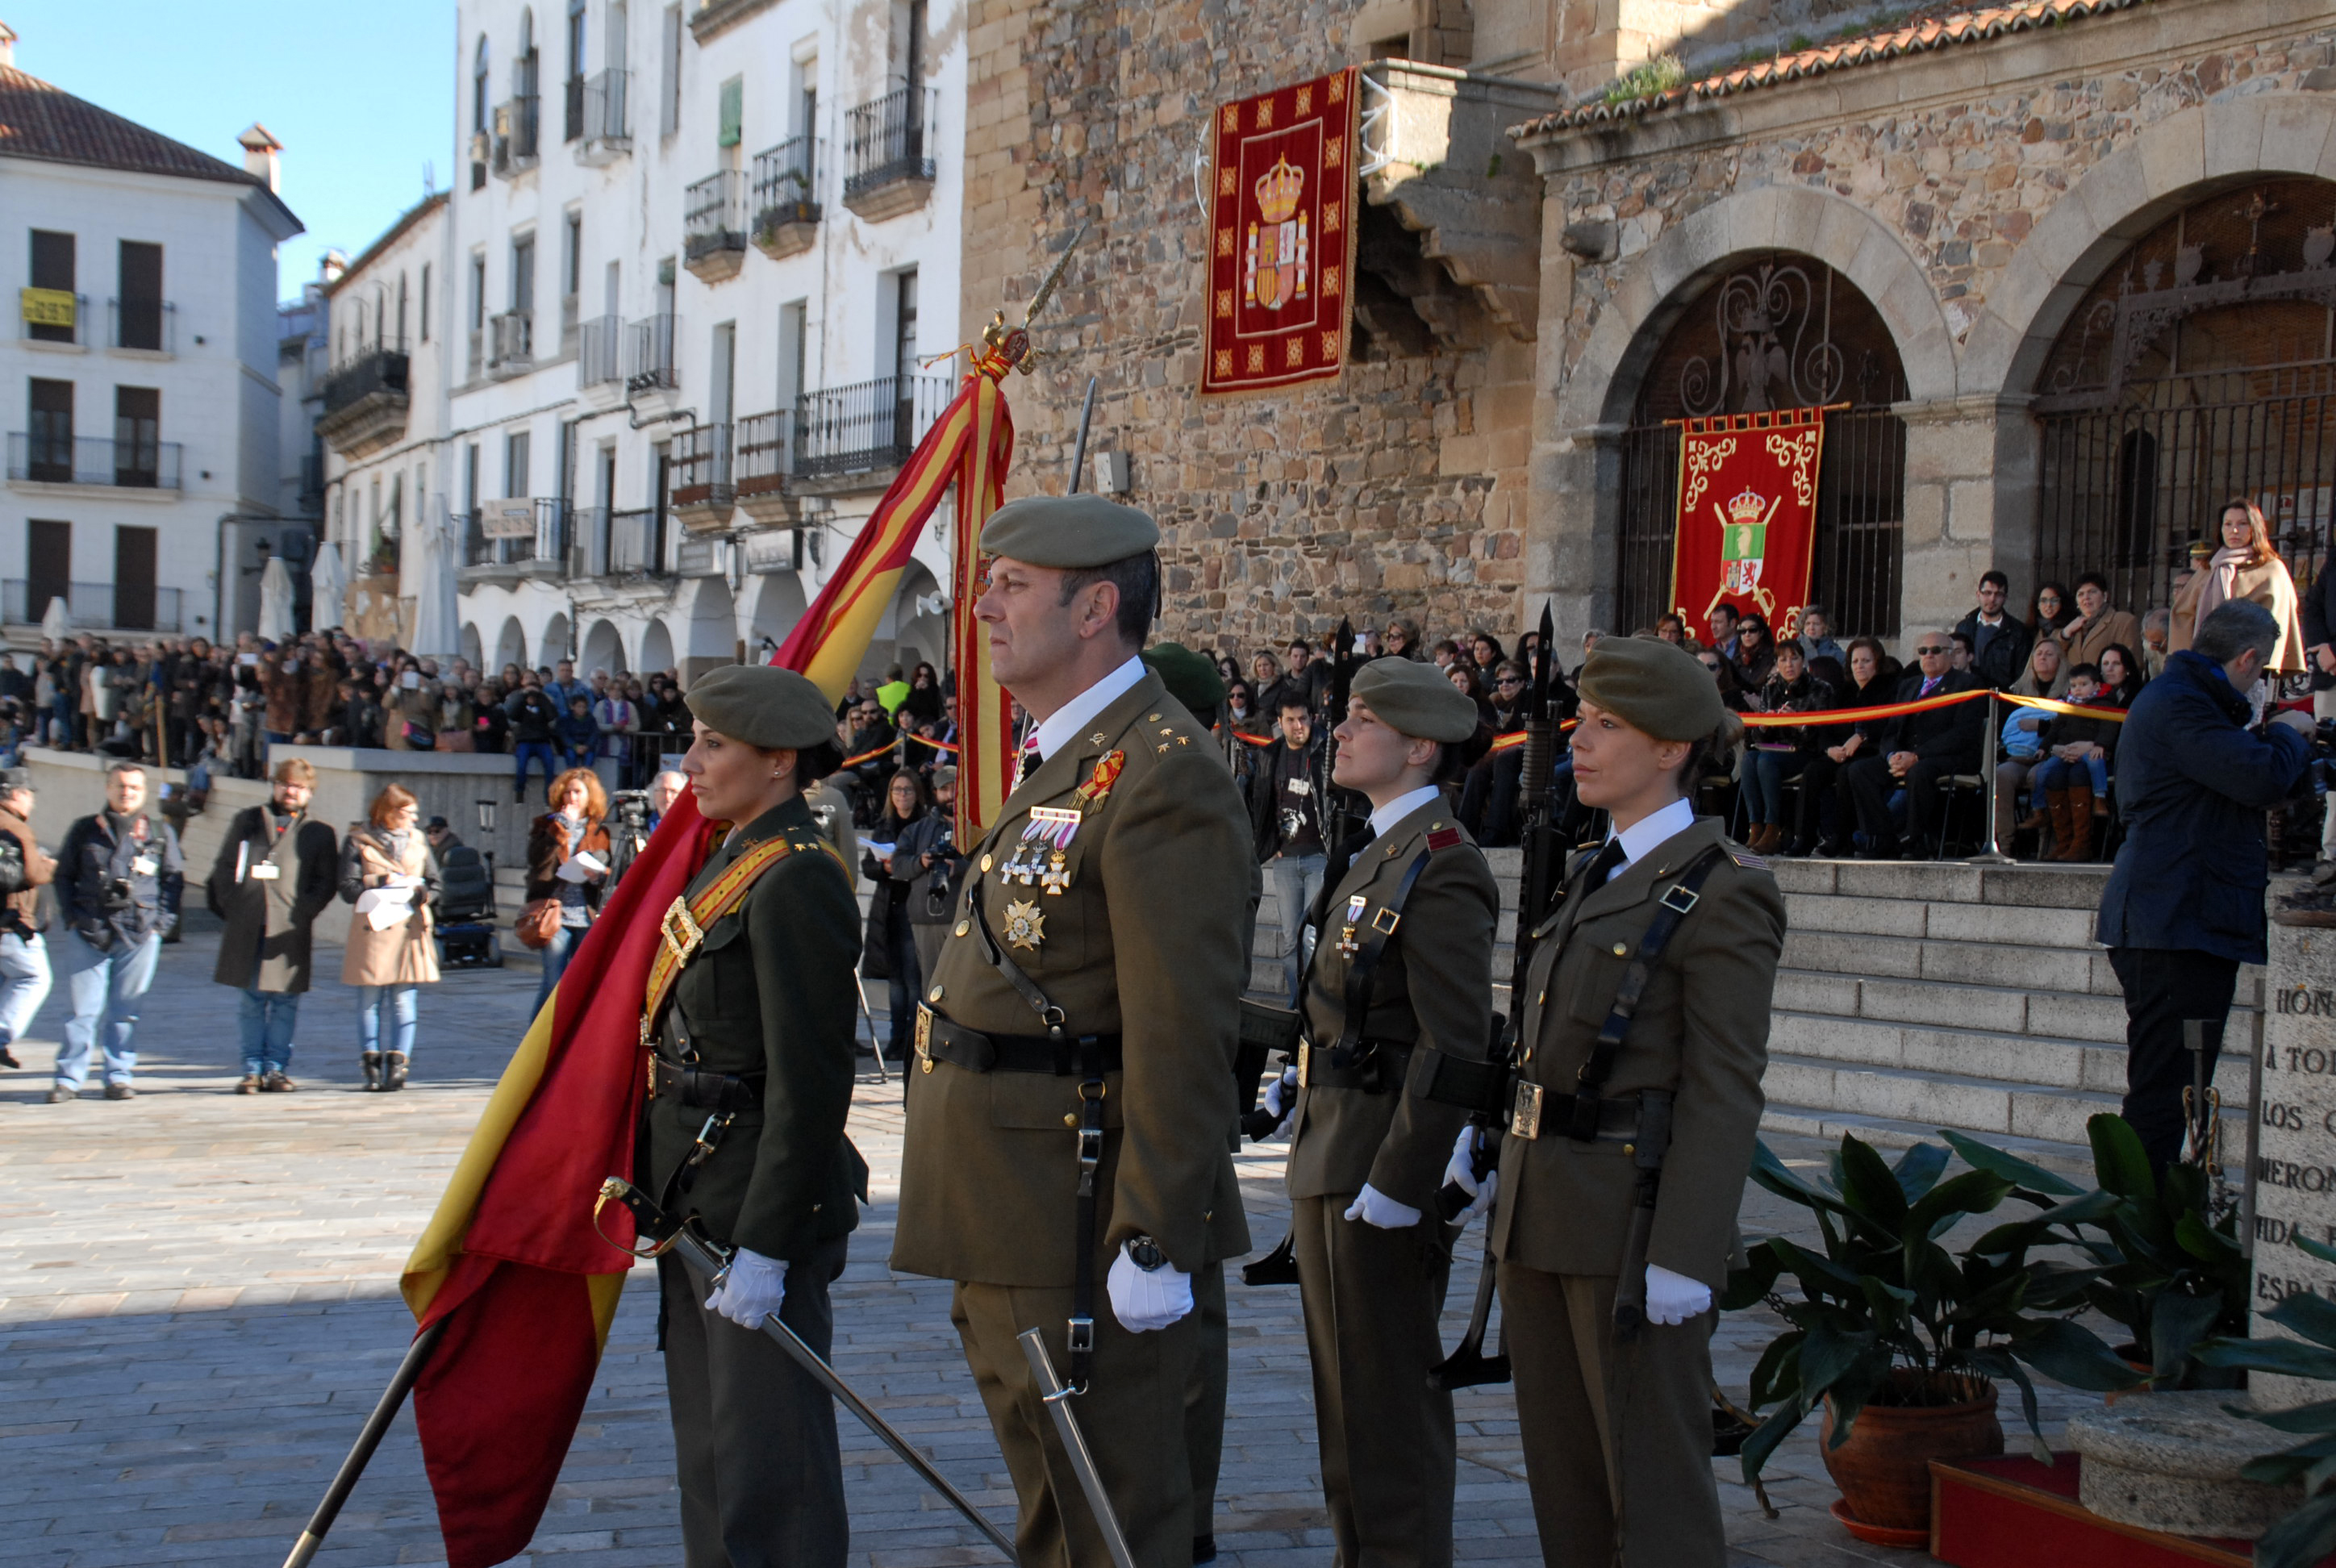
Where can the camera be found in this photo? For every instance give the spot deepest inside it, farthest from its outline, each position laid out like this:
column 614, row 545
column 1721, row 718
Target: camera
column 629, row 808
column 118, row 894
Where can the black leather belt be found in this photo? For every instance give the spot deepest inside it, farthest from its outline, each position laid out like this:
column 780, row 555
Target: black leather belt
column 1534, row 1111
column 704, row 1089
column 1378, row 1068
column 940, row 1041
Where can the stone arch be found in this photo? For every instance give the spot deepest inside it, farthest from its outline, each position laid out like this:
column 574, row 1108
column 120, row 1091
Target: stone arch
column 919, row 634
column 1831, row 228
column 657, row 648
column 2177, row 161
column 779, row 604
column 553, row 644
column 603, row 648
column 511, row 644
column 473, row 649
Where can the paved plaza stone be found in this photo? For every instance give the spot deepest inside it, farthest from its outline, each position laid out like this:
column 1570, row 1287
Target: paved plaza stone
column 198, row 1306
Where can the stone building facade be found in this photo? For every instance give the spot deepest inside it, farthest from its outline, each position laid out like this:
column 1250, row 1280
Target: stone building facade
column 2066, row 262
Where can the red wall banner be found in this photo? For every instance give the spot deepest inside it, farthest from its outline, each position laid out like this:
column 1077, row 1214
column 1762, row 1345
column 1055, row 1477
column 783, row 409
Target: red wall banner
column 1281, row 237
column 1747, row 504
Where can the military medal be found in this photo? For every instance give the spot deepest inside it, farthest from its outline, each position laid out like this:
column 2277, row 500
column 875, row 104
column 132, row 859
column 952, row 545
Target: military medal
column 1025, row 926
column 1049, row 829
column 1355, row 908
column 1056, row 876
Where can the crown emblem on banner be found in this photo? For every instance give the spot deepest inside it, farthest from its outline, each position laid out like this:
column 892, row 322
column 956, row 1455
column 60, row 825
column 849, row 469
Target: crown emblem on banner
column 1277, row 189
column 1748, row 507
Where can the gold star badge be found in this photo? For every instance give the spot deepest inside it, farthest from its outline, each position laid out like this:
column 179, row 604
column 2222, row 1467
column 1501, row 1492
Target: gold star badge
column 1025, row 926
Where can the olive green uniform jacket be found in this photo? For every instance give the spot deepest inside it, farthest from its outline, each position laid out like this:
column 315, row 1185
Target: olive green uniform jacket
column 770, row 992
column 1433, row 989
column 1701, row 1031
column 1144, row 942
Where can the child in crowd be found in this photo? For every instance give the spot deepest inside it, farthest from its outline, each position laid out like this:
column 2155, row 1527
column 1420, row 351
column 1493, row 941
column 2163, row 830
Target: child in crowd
column 2072, row 780
column 577, row 735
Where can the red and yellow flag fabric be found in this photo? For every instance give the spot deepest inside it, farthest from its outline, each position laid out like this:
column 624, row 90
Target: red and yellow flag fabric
column 510, row 1261
column 1748, row 510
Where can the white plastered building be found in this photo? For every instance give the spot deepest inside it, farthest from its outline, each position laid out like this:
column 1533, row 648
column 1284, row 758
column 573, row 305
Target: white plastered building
column 693, row 258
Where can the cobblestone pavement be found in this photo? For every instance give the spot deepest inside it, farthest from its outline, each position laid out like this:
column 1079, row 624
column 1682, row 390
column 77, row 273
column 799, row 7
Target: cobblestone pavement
column 198, row 1306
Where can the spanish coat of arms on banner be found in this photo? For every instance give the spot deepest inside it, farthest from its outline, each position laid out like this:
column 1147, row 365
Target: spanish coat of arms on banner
column 1747, row 494
column 1281, row 236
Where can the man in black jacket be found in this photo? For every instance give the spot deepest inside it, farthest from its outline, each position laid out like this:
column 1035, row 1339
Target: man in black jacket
column 533, row 715
column 2000, row 641
column 277, row 869
column 1917, row 750
column 1285, row 813
column 119, row 881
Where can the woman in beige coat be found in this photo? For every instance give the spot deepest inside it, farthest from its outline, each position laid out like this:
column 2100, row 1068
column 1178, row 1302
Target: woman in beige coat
column 2246, row 566
column 388, row 872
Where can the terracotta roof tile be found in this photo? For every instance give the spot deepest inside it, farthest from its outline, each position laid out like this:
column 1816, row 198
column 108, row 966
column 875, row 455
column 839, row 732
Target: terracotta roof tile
column 1915, row 38
column 40, row 119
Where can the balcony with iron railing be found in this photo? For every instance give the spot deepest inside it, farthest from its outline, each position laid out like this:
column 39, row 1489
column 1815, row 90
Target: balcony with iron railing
column 702, row 495
column 513, row 346
column 599, row 352
column 95, row 606
column 41, row 459
column 526, row 538
column 518, row 133
column 52, row 316
column 380, row 372
column 875, row 424
column 785, row 197
column 713, row 223
column 648, row 355
column 758, row 471
column 889, row 154
column 635, row 544
column 606, row 134
column 144, row 325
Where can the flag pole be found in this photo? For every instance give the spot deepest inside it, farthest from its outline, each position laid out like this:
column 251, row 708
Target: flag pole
column 1079, row 447
column 375, row 1428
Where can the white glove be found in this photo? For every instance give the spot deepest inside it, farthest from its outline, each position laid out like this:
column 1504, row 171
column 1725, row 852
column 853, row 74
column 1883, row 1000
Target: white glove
column 1373, row 1207
column 1461, row 1172
column 1144, row 1300
column 1673, row 1299
column 752, row 1291
column 1281, row 1100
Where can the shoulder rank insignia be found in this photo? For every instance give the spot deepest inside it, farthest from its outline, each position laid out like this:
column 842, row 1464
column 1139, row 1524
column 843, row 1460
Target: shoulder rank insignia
column 1746, row 859
column 1097, row 789
column 1444, row 839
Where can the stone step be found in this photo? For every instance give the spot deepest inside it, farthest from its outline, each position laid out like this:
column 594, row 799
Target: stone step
column 1946, row 881
column 2084, row 971
column 2005, row 1010
column 2013, row 1060
column 1982, row 1107
column 2074, row 1160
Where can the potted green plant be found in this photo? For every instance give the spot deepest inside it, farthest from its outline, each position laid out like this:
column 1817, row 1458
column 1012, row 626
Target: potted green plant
column 1901, row 1339
column 2307, row 1535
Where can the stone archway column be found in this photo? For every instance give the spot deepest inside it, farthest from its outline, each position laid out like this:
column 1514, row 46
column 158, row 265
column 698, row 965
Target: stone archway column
column 1969, row 499
column 1573, row 533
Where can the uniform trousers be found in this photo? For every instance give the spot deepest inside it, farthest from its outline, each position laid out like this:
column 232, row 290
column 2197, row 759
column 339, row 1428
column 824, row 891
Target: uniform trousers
column 1372, row 1298
column 1132, row 1416
column 753, row 1434
column 1205, row 1401
column 1617, row 1437
column 2163, row 987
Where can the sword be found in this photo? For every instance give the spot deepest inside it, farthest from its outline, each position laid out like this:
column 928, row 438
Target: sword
column 711, row 1265
column 1056, row 1397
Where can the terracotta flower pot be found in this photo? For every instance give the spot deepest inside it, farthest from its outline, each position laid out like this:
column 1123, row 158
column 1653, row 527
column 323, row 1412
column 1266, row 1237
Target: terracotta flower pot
column 1884, row 1471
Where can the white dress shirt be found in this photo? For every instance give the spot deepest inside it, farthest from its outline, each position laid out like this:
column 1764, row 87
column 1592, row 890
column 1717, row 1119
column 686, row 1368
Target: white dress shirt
column 1063, row 727
column 1650, row 833
column 1395, row 811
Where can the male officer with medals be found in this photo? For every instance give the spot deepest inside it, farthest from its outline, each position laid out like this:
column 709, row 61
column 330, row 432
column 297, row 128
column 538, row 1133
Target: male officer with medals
column 1070, row 1111
column 1631, row 1128
column 749, row 1018
column 1403, row 976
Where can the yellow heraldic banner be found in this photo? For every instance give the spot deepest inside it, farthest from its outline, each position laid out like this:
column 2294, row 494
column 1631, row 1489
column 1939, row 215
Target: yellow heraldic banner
column 1282, row 245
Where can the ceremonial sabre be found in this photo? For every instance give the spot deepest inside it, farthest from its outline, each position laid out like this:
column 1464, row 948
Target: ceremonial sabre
column 1056, row 1397
column 709, row 1265
column 1079, row 448
column 376, row 1426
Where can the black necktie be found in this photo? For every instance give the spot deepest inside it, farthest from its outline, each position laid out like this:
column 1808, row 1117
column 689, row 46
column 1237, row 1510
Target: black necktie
column 1609, row 861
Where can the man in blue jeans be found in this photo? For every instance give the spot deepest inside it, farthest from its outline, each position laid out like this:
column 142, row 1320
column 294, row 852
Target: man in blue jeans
column 119, row 881
column 277, row 869
column 534, row 717
column 1286, row 816
column 24, row 957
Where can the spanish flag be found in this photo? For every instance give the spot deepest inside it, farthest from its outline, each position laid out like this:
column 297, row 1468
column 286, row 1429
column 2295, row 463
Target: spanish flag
column 511, row 1262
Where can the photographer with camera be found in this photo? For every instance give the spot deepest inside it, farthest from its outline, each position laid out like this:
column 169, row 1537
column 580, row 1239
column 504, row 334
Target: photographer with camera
column 928, row 845
column 24, row 872
column 2183, row 907
column 120, row 877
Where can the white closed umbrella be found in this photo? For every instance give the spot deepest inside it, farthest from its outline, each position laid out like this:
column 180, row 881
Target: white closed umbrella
column 426, row 575
column 56, row 621
column 276, row 602
column 329, row 586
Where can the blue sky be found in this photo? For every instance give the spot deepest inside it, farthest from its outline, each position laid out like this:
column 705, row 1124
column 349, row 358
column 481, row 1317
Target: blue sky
column 360, row 95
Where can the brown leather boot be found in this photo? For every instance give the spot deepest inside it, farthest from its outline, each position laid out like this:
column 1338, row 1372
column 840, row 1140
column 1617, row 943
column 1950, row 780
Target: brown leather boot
column 2056, row 810
column 2077, row 835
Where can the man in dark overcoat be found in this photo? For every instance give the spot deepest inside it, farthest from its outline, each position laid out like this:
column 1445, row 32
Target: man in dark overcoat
column 275, row 874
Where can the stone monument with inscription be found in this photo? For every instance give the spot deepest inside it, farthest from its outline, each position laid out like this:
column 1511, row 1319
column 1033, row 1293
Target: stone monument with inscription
column 2295, row 1174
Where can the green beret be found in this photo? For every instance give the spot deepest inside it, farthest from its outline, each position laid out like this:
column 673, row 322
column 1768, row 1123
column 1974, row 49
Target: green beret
column 763, row 706
column 1653, row 685
column 1069, row 532
column 1191, row 678
column 1416, row 699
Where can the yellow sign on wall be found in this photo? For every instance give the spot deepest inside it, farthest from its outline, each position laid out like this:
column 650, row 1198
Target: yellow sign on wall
column 48, row 306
